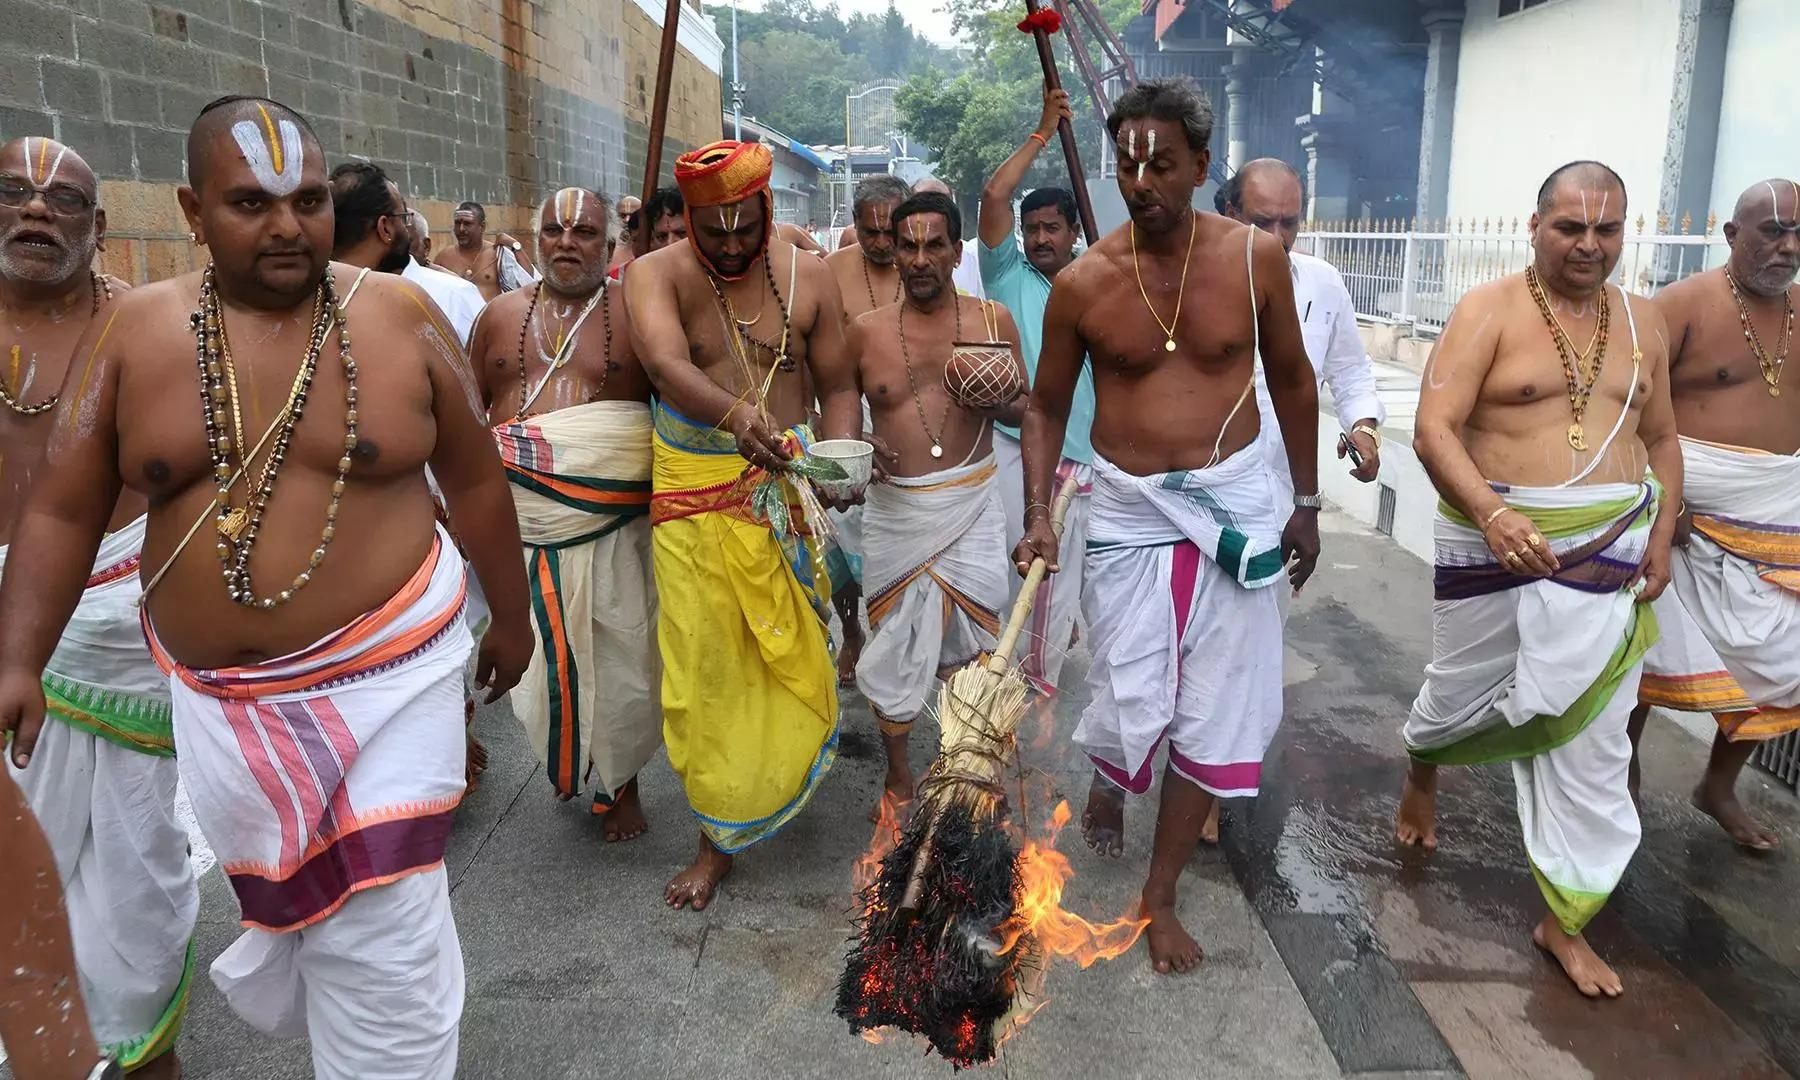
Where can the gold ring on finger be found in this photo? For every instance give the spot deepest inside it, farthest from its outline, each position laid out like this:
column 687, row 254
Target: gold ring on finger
column 1534, row 540
column 1514, row 557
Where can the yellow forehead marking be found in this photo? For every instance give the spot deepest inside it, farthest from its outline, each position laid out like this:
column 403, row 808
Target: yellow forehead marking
column 274, row 139
column 43, row 152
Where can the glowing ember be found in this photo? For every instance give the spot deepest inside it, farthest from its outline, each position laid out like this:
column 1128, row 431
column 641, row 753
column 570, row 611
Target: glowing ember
column 1038, row 910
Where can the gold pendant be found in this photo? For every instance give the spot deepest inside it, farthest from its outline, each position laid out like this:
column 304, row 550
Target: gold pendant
column 1774, row 391
column 236, row 520
column 1169, row 345
column 1577, row 437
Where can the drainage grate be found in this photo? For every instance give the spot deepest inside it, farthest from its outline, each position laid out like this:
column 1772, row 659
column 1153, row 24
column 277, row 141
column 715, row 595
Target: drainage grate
column 1782, row 757
column 1384, row 511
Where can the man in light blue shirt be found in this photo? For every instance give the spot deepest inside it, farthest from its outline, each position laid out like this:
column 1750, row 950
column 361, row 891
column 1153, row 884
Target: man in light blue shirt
column 1019, row 278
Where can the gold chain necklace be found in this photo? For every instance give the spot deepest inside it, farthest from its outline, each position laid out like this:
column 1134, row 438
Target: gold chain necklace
column 1771, row 364
column 1580, row 385
column 937, row 441
column 98, row 284
column 1168, row 328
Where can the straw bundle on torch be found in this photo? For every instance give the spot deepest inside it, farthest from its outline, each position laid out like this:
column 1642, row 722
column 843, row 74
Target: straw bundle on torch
column 935, row 953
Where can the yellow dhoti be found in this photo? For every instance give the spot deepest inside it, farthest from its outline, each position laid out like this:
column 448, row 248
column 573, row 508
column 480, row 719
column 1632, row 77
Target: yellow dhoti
column 749, row 690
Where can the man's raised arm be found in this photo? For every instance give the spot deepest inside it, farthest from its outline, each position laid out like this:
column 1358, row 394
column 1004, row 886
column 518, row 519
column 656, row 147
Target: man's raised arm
column 995, row 224
column 1047, row 414
column 53, row 545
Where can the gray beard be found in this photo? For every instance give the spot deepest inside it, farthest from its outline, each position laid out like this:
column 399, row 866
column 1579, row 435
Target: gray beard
column 577, row 287
column 74, row 258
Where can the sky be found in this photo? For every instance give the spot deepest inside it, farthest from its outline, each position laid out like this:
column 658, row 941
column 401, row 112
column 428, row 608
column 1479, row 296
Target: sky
column 926, row 17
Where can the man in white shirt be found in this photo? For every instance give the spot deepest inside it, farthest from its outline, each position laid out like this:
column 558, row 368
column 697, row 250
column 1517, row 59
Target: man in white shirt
column 1266, row 193
column 967, row 277
column 459, row 300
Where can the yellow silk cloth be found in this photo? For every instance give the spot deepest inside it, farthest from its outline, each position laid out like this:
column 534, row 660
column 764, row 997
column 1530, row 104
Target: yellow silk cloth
column 749, row 688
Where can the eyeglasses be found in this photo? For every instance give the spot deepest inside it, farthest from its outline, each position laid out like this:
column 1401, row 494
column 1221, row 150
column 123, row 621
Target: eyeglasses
column 62, row 199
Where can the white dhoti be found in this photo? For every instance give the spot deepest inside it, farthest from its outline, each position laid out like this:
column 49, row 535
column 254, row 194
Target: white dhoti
column 102, row 785
column 1051, row 628
column 1543, row 673
column 1731, row 620
column 935, row 561
column 1179, row 599
column 327, row 782
column 590, row 702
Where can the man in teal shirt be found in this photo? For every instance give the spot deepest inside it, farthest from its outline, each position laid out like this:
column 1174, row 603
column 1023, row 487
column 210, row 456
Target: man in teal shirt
column 1019, row 277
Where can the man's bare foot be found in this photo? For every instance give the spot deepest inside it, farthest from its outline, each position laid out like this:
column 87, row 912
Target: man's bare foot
column 1416, row 825
column 626, row 821
column 1103, row 822
column 1587, row 971
column 1172, row 949
column 1209, row 832
column 166, row 1067
column 694, row 887
column 1745, row 831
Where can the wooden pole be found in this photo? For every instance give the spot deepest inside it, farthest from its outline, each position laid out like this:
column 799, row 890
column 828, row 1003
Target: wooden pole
column 659, row 115
column 1077, row 178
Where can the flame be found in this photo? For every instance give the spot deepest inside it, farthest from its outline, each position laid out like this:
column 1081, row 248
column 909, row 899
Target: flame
column 1038, row 911
column 887, row 834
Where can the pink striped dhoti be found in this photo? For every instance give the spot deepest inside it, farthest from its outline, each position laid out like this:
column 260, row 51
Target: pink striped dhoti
column 326, row 781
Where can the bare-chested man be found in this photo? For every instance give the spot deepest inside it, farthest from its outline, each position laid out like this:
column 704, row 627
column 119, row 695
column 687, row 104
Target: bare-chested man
column 569, row 405
column 933, row 535
column 103, row 779
column 1544, row 409
column 495, row 266
column 301, row 598
column 866, row 275
column 1731, row 624
column 1186, row 543
column 733, row 327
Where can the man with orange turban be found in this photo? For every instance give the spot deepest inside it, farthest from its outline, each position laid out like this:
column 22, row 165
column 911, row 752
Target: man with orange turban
column 739, row 331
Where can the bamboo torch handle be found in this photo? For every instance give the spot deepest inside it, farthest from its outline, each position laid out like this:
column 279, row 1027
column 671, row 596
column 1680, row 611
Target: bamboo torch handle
column 659, row 113
column 1015, row 622
column 1066, row 132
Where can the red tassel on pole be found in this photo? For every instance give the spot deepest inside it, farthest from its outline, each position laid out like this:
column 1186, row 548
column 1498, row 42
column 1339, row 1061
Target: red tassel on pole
column 1040, row 23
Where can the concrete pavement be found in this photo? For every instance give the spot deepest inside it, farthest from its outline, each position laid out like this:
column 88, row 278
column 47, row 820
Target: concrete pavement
column 1330, row 953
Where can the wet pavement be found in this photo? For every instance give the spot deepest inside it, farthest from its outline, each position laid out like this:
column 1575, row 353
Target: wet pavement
column 1330, row 951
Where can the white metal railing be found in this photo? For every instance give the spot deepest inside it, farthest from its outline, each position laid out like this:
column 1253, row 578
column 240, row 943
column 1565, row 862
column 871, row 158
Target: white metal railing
column 1415, row 272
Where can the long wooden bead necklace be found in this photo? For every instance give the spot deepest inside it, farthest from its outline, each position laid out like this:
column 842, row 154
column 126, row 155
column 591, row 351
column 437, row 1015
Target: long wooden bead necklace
column 937, row 440
column 565, row 346
column 238, row 527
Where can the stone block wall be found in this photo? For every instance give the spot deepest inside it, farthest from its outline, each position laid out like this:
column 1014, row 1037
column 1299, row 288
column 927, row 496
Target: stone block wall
column 499, row 101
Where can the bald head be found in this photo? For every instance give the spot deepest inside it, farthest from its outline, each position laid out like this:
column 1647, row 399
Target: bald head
column 1591, row 177
column 1764, row 234
column 51, row 235
column 45, row 162
column 932, row 185
column 274, row 140
column 1265, row 193
column 1775, row 198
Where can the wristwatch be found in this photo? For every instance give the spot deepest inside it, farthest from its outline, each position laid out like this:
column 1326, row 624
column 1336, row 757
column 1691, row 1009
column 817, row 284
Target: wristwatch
column 107, row 1069
column 1308, row 502
column 517, row 246
column 1371, row 431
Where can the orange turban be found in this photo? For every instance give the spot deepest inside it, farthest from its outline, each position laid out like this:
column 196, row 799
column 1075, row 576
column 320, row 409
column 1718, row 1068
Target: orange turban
column 723, row 173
